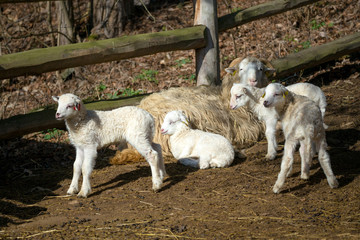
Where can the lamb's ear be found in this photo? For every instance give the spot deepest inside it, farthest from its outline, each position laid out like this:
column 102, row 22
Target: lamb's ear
column 230, row 70
column 55, row 98
column 245, row 91
column 183, row 117
column 285, row 94
column 78, row 103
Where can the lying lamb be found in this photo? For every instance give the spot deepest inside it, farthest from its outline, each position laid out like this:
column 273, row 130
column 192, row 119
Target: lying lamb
column 91, row 130
column 245, row 95
column 301, row 122
column 251, row 71
column 211, row 149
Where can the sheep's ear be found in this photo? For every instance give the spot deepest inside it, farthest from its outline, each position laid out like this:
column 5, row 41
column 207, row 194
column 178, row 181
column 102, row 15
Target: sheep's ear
column 231, row 70
column 269, row 71
column 55, row 98
column 245, row 90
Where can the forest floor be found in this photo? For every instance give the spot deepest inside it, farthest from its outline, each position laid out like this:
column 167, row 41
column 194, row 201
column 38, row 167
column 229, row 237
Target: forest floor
column 229, row 203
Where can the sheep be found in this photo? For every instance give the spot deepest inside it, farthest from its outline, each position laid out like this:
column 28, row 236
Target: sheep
column 251, row 71
column 301, row 122
column 91, row 130
column 250, row 97
column 207, row 109
column 245, row 95
column 212, row 150
column 313, row 92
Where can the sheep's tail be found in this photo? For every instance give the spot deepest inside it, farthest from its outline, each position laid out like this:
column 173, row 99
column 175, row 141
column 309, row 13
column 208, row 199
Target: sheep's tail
column 189, row 162
column 126, row 156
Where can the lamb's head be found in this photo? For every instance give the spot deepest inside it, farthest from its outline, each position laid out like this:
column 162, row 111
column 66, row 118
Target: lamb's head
column 251, row 71
column 173, row 121
column 275, row 95
column 239, row 95
column 69, row 106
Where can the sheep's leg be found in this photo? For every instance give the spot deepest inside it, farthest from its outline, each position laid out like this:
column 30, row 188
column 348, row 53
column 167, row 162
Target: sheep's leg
column 153, row 158
column 189, row 162
column 270, row 134
column 161, row 165
column 204, row 162
column 90, row 154
column 306, row 154
column 74, row 188
column 324, row 160
column 286, row 164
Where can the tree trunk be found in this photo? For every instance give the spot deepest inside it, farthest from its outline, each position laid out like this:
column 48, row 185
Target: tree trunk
column 110, row 16
column 207, row 58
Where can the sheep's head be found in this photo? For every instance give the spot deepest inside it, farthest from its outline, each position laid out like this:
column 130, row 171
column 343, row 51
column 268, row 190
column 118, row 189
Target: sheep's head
column 251, row 71
column 68, row 106
column 239, row 95
column 275, row 95
column 172, row 121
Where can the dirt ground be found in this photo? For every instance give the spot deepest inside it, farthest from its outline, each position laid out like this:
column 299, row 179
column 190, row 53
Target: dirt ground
column 230, row 203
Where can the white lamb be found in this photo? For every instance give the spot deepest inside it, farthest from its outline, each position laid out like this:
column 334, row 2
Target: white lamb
column 245, row 95
column 301, row 122
column 211, row 149
column 91, row 130
column 311, row 91
column 250, row 97
column 251, row 71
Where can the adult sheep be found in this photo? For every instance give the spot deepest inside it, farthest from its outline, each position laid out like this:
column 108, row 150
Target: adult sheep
column 207, row 108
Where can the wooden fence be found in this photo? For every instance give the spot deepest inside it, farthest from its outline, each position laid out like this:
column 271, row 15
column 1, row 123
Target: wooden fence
column 55, row 58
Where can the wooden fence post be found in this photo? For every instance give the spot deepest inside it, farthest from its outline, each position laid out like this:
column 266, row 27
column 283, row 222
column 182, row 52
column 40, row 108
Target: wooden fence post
column 207, row 58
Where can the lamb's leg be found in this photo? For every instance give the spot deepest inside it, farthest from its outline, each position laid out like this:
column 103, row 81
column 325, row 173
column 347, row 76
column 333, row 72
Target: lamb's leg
column 74, row 188
column 286, row 164
column 270, row 134
column 90, row 154
column 324, row 160
column 153, row 158
column 306, row 153
column 161, row 165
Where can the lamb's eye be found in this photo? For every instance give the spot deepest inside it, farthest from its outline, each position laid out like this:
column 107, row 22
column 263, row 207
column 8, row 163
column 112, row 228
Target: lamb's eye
column 238, row 96
column 277, row 94
column 70, row 106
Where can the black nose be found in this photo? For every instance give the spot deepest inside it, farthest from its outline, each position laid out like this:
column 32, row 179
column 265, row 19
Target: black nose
column 265, row 103
column 57, row 115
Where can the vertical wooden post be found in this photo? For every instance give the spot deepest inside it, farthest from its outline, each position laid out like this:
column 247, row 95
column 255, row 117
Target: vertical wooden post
column 207, row 59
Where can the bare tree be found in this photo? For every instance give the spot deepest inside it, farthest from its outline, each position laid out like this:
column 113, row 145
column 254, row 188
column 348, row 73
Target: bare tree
column 110, row 16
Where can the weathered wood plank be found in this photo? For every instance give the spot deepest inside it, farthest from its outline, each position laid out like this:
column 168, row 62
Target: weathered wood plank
column 55, row 58
column 260, row 11
column 314, row 56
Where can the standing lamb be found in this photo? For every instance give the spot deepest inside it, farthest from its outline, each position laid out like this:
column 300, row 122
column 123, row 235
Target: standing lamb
column 91, row 130
column 250, row 97
column 301, row 122
column 311, row 91
column 212, row 150
column 251, row 71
